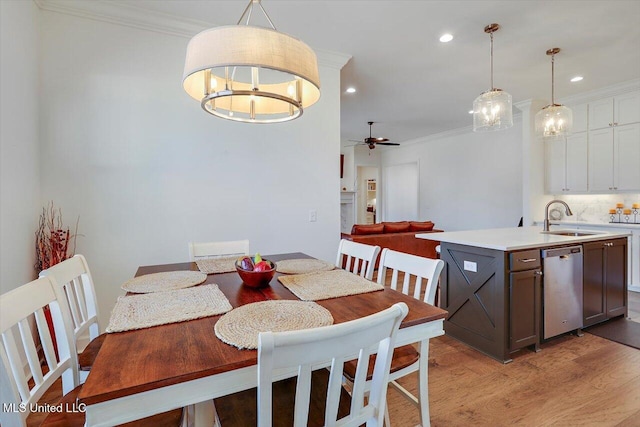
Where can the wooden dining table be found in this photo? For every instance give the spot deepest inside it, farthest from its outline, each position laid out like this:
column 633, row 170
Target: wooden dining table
column 142, row 372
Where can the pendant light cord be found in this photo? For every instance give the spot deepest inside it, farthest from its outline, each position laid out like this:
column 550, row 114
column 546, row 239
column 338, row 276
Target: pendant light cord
column 491, row 55
column 553, row 60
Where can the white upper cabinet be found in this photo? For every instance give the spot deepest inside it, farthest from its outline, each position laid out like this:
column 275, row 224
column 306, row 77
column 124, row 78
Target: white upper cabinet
column 580, row 117
column 614, row 159
column 601, row 114
column 566, row 163
column 626, row 157
column 616, row 111
column 602, row 154
column 626, row 109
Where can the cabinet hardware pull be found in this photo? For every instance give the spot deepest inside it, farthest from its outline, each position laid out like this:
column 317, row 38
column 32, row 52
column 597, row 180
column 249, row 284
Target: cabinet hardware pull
column 610, row 124
column 539, row 273
column 528, row 259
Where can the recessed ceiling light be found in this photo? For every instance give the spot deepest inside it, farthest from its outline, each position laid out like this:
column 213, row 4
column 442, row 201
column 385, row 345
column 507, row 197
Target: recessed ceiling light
column 351, row 90
column 446, row 38
column 470, row 111
column 577, row 79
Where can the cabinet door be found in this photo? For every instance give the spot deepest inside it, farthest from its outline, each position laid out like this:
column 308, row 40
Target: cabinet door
column 576, row 162
column 601, row 114
column 601, row 160
column 616, row 277
column 555, row 163
column 626, row 144
column 627, row 108
column 524, row 308
column 580, row 117
column 594, row 303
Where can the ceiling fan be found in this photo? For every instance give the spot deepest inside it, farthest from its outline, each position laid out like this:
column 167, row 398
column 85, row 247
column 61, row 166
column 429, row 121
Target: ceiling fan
column 372, row 142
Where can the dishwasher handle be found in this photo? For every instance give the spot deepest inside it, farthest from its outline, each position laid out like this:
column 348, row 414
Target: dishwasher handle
column 564, row 253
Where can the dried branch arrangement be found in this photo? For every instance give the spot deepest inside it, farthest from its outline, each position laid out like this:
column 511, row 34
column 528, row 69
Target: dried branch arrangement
column 52, row 239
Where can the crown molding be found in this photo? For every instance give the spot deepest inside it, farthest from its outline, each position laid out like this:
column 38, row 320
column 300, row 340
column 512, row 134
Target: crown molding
column 129, row 15
column 604, row 92
column 126, row 14
column 589, row 96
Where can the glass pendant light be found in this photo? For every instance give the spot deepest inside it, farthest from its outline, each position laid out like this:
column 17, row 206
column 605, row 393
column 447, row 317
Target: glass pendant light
column 554, row 120
column 492, row 109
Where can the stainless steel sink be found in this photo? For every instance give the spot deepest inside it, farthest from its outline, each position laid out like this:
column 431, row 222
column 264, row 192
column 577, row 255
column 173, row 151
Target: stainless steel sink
column 573, row 233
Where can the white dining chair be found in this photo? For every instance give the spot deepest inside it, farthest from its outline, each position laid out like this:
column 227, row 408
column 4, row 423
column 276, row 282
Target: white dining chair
column 357, row 258
column 23, row 379
column 309, row 351
column 407, row 359
column 76, row 284
column 218, row 249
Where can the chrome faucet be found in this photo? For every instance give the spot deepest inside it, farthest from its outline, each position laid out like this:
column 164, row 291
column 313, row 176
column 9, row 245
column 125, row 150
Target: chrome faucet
column 546, row 212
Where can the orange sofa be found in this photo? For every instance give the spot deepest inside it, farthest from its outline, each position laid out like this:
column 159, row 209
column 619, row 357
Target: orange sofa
column 398, row 236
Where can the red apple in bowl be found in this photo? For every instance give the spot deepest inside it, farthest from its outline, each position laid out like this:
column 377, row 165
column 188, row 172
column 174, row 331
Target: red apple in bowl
column 256, row 272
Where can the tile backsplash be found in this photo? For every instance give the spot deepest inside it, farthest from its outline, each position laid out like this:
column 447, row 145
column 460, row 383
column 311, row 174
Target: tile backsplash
column 595, row 207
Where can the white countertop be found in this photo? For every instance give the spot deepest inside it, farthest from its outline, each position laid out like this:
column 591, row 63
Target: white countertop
column 508, row 239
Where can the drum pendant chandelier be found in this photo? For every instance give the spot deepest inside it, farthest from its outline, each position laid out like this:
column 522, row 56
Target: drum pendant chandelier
column 554, row 120
column 251, row 74
column 492, row 109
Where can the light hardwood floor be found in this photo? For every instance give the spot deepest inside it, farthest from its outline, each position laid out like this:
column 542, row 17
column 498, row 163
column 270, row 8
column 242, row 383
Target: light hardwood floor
column 572, row 381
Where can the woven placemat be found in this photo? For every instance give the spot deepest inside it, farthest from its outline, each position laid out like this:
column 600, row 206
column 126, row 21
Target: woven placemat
column 302, row 265
column 144, row 311
column 241, row 326
column 328, row 284
column 165, row 281
column 217, row 265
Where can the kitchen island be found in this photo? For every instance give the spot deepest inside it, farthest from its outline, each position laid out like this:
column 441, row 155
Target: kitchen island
column 493, row 284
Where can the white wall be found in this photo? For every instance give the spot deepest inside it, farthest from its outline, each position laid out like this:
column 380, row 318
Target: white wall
column 467, row 180
column 147, row 170
column 20, row 202
column 401, row 192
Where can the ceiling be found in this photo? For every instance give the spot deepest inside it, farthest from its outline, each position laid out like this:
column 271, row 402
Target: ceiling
column 412, row 85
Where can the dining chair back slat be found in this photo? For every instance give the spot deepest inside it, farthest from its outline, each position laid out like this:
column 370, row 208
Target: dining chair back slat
column 357, row 258
column 310, row 349
column 23, row 385
column 218, row 249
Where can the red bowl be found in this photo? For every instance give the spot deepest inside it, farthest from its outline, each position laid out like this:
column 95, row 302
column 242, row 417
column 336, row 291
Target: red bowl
column 257, row 279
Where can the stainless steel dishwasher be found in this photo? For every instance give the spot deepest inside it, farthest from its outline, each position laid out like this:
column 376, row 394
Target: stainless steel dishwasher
column 562, row 290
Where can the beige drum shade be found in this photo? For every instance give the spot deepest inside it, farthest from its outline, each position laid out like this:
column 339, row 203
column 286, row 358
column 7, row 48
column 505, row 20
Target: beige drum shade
column 240, row 68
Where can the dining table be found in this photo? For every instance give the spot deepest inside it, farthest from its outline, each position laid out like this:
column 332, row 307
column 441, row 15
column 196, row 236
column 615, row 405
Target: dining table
column 141, row 372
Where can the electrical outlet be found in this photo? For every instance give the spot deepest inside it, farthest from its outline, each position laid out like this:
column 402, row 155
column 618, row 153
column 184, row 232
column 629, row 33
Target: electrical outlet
column 471, row 266
column 313, row 215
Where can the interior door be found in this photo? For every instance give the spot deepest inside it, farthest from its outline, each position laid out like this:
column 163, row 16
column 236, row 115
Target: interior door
column 400, row 192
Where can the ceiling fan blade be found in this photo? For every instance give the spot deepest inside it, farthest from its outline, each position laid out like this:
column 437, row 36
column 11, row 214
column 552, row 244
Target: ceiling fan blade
column 375, row 140
column 387, row 143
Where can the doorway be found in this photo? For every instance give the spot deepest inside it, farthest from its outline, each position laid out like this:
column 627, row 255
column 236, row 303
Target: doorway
column 367, row 195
